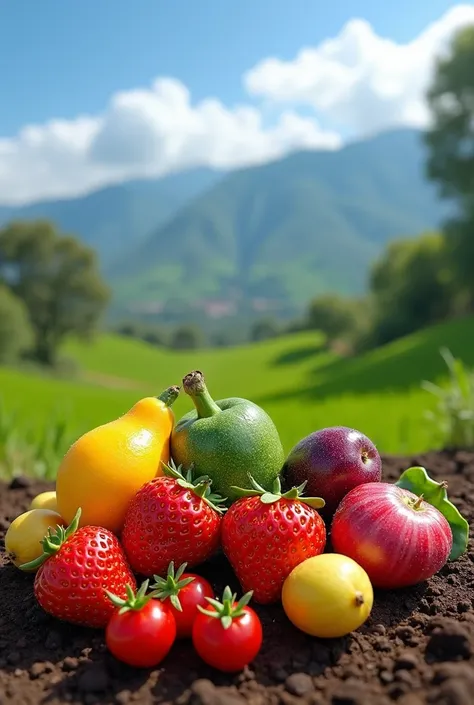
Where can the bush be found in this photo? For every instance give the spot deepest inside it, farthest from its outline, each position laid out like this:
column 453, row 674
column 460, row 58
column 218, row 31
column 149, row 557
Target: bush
column 264, row 329
column 454, row 413
column 15, row 331
column 187, row 337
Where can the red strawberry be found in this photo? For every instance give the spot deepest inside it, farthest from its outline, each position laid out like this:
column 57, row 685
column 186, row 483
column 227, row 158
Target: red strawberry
column 171, row 518
column 266, row 534
column 76, row 569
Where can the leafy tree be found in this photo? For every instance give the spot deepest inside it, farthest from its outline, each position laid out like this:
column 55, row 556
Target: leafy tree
column 15, row 330
column 141, row 331
column 58, row 280
column 186, row 337
column 333, row 315
column 450, row 142
column 412, row 286
column 264, row 329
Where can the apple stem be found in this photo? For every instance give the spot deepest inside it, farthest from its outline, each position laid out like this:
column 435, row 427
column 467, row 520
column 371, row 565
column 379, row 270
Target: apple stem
column 359, row 599
column 417, row 504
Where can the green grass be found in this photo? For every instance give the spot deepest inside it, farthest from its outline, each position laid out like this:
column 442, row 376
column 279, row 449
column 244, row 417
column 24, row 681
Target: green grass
column 300, row 386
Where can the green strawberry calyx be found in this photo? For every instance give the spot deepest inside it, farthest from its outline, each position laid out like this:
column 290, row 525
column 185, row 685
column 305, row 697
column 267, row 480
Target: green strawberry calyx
column 134, row 601
column 169, row 587
column 201, row 486
column 53, row 541
column 295, row 493
column 228, row 609
column 169, row 396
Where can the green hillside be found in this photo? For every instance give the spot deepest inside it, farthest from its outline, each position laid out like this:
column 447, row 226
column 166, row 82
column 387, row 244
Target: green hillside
column 115, row 219
column 288, row 230
column 301, row 387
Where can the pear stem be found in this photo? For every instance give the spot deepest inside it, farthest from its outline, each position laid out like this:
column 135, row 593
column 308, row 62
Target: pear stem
column 169, row 396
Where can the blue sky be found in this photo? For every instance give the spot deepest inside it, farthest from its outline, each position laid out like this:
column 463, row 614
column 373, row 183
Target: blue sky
column 65, row 58
column 95, row 92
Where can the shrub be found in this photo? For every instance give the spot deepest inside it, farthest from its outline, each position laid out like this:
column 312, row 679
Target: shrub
column 15, row 330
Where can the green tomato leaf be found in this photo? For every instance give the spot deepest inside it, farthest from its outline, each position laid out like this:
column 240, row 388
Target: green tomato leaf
column 418, row 481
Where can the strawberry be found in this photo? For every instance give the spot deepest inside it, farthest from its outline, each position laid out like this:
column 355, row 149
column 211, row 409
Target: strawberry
column 171, row 518
column 266, row 534
column 77, row 569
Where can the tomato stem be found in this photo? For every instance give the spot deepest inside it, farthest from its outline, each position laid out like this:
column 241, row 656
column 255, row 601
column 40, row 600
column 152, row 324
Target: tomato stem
column 359, row 599
column 135, row 601
column 227, row 609
column 171, row 585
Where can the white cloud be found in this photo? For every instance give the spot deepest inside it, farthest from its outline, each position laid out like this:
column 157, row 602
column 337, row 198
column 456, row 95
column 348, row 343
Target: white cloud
column 356, row 83
column 146, row 132
column 359, row 81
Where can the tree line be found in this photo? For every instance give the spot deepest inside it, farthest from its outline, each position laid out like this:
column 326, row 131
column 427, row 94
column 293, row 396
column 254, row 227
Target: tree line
column 421, row 281
column 51, row 286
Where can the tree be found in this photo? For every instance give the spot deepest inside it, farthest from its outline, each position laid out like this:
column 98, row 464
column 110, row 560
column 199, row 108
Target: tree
column 333, row 315
column 15, row 330
column 412, row 286
column 450, row 142
column 264, row 329
column 186, row 337
column 58, row 280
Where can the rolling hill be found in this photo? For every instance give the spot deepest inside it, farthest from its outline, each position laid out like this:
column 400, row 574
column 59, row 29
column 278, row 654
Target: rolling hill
column 114, row 220
column 288, row 230
column 301, row 387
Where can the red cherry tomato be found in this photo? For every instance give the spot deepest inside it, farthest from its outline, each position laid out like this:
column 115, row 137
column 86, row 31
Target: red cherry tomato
column 190, row 597
column 183, row 592
column 228, row 635
column 142, row 635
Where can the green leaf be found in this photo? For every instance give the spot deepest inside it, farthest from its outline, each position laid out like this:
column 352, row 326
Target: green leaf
column 226, row 621
column 418, row 481
column 174, row 599
column 314, row 502
column 269, row 498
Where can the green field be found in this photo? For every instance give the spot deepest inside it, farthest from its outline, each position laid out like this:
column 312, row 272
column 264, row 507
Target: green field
column 300, row 386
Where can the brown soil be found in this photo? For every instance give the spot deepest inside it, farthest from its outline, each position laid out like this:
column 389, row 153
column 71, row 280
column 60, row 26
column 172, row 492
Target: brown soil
column 417, row 647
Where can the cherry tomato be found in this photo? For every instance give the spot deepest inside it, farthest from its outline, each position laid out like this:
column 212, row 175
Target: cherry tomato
column 141, row 631
column 228, row 636
column 183, row 592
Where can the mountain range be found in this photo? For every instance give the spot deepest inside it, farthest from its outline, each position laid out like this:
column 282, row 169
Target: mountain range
column 268, row 237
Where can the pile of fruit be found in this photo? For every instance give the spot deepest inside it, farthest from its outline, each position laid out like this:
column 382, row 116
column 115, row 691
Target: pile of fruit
column 142, row 500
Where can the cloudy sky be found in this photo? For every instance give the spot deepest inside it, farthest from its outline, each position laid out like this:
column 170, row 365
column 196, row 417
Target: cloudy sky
column 93, row 93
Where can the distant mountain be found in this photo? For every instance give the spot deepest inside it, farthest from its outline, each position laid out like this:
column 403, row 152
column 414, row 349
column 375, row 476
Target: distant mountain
column 262, row 238
column 281, row 233
column 115, row 219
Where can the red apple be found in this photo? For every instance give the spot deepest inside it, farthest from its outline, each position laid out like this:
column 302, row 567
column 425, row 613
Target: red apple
column 397, row 538
column 332, row 461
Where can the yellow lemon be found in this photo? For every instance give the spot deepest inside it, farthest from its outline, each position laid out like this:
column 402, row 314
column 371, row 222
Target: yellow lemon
column 25, row 533
column 45, row 500
column 327, row 596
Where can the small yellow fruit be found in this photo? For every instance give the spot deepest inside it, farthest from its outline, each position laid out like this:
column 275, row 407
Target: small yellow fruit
column 45, row 500
column 25, row 533
column 328, row 595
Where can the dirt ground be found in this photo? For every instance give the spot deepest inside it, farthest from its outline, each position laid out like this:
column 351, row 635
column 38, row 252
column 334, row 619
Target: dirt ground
column 417, row 647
